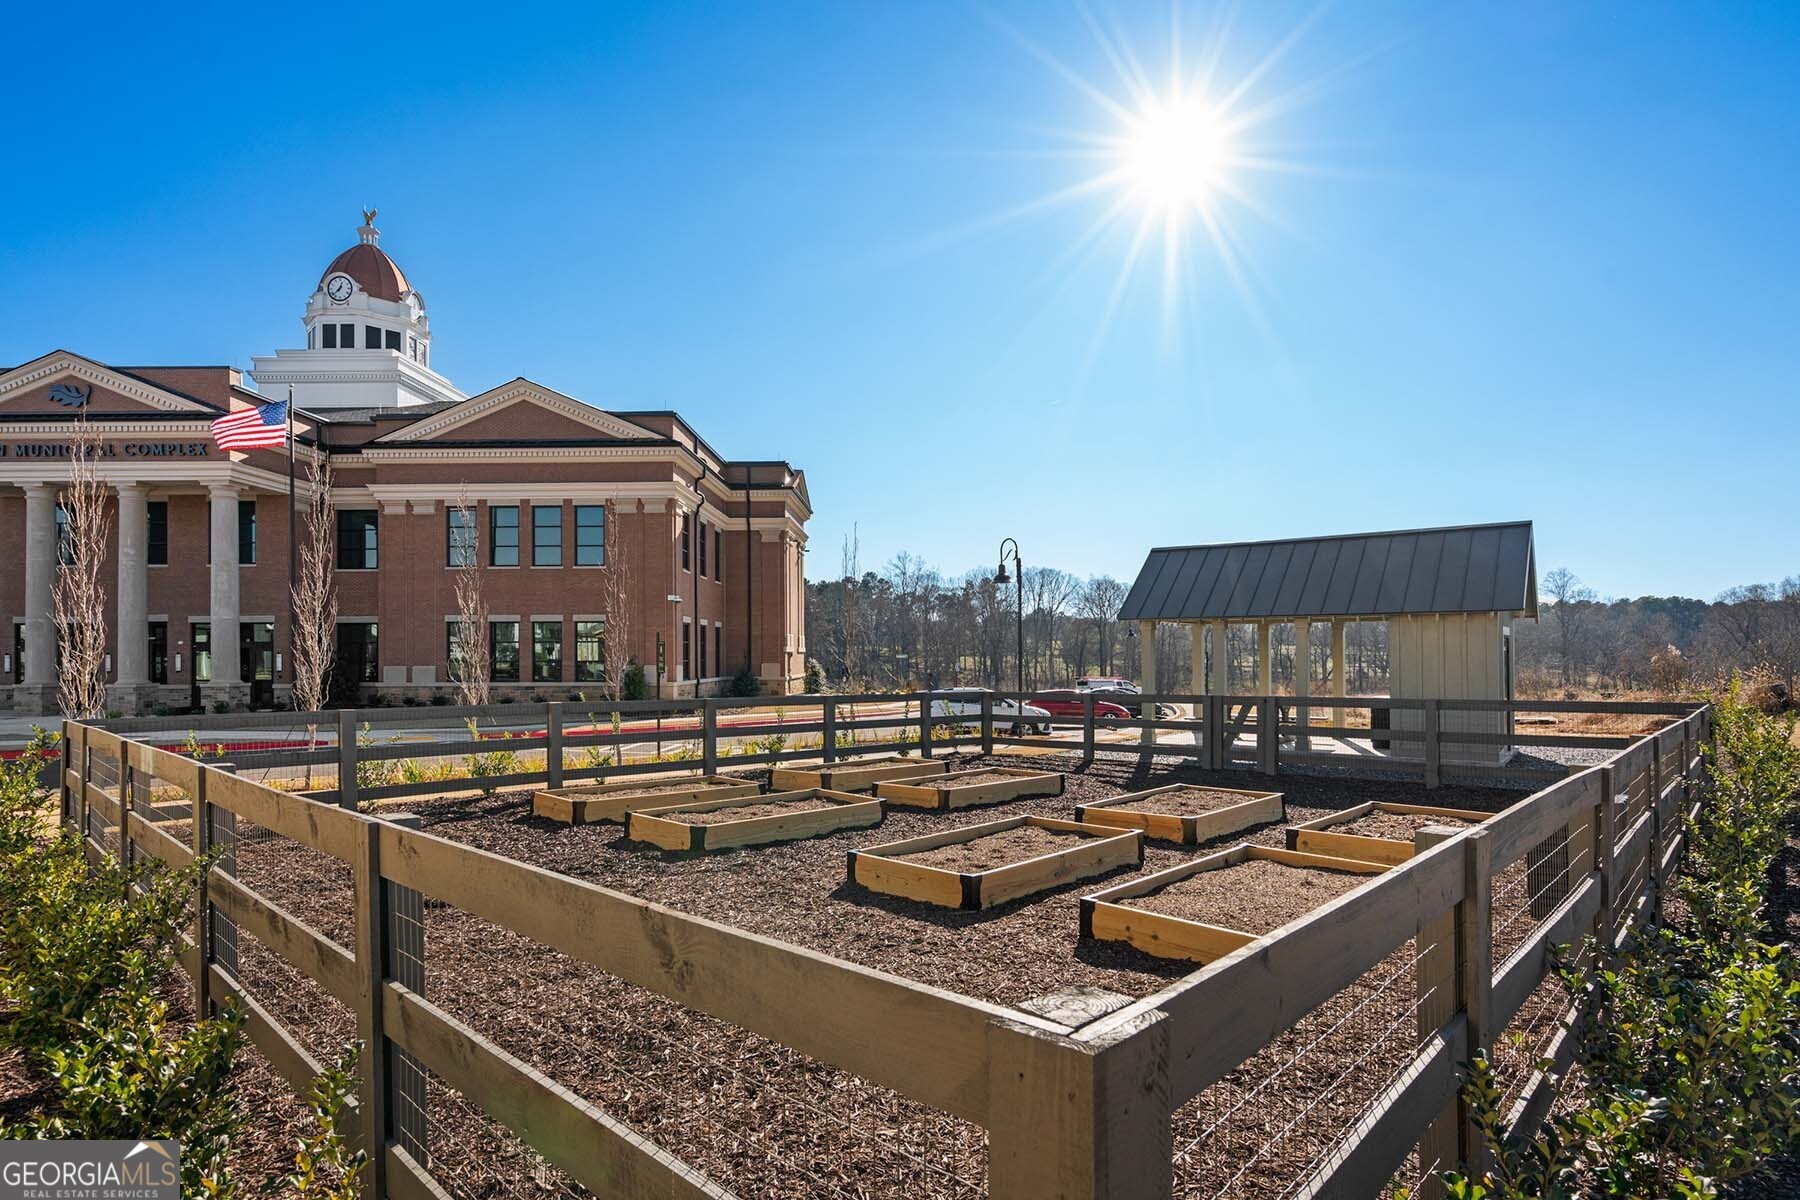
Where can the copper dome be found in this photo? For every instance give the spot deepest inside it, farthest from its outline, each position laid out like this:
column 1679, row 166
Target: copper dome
column 369, row 265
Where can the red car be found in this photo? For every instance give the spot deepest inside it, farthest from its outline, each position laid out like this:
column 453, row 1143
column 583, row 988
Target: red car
column 1068, row 703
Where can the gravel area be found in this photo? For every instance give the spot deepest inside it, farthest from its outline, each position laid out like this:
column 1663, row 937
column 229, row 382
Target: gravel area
column 743, row 812
column 1187, row 801
column 995, row 849
column 1251, row 897
column 1396, row 827
column 975, row 778
column 771, row 1124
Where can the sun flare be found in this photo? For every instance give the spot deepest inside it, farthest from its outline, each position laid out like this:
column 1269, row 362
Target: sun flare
column 1175, row 153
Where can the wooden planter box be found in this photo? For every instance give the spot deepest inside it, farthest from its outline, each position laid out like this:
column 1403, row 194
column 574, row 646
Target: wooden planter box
column 1098, row 851
column 1317, row 837
column 664, row 826
column 1105, row 919
column 1201, row 825
column 611, row 801
column 856, row 776
column 945, row 792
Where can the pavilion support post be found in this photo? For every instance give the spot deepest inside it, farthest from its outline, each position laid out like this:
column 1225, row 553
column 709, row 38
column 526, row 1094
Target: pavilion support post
column 1197, row 658
column 1147, row 673
column 1265, row 665
column 1302, row 680
column 1221, row 685
column 1340, row 714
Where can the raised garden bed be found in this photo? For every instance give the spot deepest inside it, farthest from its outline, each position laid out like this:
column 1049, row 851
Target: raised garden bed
column 612, row 801
column 1376, row 832
column 714, row 824
column 856, row 776
column 1185, row 812
column 980, row 866
column 1208, row 908
column 965, row 789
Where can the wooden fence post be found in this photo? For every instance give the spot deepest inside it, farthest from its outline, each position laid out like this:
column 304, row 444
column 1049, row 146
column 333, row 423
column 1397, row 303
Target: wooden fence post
column 127, row 787
column 1268, row 734
column 64, row 764
column 553, row 744
column 709, row 736
column 828, row 730
column 404, row 943
column 373, row 1069
column 1434, row 750
column 347, row 797
column 1454, row 973
column 924, row 725
column 1606, row 846
column 1079, row 1120
column 1087, row 729
column 987, row 722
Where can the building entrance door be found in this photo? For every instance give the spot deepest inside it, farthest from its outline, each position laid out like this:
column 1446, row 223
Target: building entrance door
column 256, row 650
column 200, row 664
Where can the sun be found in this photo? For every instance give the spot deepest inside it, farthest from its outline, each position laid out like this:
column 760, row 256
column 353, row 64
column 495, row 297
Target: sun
column 1175, row 153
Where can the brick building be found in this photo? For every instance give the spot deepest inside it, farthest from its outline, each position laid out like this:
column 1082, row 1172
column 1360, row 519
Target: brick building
column 711, row 549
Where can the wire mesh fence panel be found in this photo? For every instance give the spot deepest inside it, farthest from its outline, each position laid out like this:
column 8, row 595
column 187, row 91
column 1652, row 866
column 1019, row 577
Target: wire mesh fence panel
column 1270, row 1125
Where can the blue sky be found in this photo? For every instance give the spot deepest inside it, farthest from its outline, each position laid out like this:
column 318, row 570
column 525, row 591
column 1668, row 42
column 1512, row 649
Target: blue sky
column 1525, row 260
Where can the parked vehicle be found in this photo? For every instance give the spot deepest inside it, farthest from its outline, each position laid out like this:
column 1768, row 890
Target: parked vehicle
column 1106, row 683
column 1068, row 702
column 966, row 702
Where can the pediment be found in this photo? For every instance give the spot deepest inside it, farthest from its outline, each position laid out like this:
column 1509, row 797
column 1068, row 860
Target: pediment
column 520, row 410
column 62, row 384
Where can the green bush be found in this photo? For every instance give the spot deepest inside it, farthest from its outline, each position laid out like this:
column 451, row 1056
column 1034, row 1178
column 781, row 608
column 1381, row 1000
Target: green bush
column 1690, row 1059
column 634, row 686
column 325, row 1167
column 744, row 683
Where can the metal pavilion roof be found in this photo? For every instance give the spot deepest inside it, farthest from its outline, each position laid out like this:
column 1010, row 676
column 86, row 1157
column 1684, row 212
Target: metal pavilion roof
column 1455, row 569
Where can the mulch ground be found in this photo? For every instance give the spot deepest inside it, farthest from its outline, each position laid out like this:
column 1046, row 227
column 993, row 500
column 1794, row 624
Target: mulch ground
column 1187, row 801
column 769, row 1123
column 744, row 812
column 993, row 850
column 1251, row 897
column 964, row 779
column 1395, row 827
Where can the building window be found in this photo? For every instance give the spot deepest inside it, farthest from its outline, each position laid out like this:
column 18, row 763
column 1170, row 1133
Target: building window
column 590, row 535
column 460, row 551
column 358, row 651
column 371, row 337
column 546, row 651
column 202, row 652
column 159, row 652
column 719, row 649
column 356, row 529
column 687, row 650
column 330, row 332
column 393, row 339
column 453, row 655
column 703, row 549
column 246, row 533
column 687, row 542
column 503, row 535
column 718, row 555
column 156, row 552
column 346, row 336
column 703, row 643
column 590, row 651
column 546, row 535
column 503, row 651
column 65, row 552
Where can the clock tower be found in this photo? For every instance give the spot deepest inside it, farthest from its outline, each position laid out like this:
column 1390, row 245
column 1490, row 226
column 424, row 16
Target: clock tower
column 368, row 340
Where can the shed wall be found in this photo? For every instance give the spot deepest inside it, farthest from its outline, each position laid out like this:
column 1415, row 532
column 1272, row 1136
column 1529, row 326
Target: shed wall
column 1458, row 656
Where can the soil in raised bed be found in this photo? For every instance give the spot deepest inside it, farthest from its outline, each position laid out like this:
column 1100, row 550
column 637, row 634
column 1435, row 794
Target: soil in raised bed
column 1251, row 897
column 969, row 779
column 1395, row 827
column 648, row 789
column 743, row 812
column 993, row 850
column 1185, row 802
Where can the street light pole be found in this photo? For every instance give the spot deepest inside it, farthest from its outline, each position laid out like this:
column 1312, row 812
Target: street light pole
column 1000, row 578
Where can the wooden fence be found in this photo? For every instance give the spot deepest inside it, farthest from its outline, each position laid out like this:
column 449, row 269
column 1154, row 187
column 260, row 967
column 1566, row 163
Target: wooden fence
column 1079, row 1111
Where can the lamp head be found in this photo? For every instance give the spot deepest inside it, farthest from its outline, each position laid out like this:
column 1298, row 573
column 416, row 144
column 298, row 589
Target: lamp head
column 1001, row 576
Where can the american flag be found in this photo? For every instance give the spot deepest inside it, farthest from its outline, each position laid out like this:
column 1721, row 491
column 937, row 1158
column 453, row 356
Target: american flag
column 256, row 428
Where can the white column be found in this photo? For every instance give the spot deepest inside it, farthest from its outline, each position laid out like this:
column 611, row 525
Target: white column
column 1338, row 684
column 1303, row 675
column 1221, row 658
column 133, row 627
column 223, row 615
column 40, row 575
column 1147, row 674
column 1265, row 666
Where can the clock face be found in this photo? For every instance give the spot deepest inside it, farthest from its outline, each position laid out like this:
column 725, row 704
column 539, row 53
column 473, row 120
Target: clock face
column 339, row 287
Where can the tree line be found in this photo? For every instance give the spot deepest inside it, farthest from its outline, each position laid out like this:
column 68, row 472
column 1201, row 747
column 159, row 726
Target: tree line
column 909, row 624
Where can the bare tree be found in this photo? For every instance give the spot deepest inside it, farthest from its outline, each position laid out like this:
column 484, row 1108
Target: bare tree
column 849, row 607
column 315, row 594
column 469, row 665
column 1564, row 587
column 615, row 607
column 78, row 597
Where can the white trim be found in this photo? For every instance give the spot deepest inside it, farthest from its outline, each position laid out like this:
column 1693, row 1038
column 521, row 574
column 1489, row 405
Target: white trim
column 63, row 362
column 505, row 396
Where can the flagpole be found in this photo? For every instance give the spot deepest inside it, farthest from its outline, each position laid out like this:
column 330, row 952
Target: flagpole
column 293, row 535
